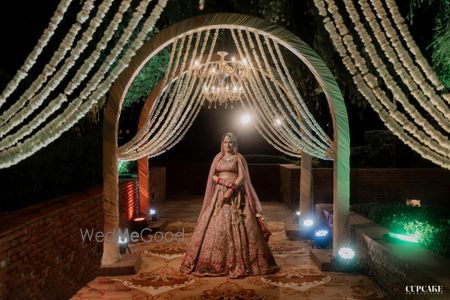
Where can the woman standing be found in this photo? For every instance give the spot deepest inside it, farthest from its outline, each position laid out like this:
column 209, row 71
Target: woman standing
column 230, row 237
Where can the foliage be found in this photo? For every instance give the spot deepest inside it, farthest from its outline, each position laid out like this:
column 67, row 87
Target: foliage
column 430, row 224
column 440, row 43
column 147, row 78
column 126, row 167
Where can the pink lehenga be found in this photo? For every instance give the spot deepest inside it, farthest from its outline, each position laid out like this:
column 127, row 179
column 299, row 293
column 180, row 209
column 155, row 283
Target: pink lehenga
column 230, row 237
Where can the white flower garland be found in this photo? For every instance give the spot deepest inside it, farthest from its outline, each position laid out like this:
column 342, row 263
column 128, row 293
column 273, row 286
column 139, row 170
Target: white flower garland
column 412, row 46
column 412, row 75
column 422, row 149
column 390, row 82
column 48, row 71
column 293, row 131
column 77, row 109
column 258, row 87
column 78, row 78
column 150, row 126
column 37, row 50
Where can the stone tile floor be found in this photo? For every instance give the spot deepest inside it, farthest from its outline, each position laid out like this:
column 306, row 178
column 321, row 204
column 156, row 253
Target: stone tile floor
column 158, row 277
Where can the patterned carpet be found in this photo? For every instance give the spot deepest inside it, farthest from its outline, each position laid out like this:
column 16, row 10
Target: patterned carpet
column 299, row 278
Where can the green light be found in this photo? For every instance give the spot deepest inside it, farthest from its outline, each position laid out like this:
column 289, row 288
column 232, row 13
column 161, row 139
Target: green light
column 404, row 237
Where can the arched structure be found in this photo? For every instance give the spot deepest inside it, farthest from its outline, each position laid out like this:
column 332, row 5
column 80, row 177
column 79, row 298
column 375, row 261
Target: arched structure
column 338, row 149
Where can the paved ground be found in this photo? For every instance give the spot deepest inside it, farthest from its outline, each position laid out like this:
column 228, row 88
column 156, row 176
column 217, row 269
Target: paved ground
column 159, row 278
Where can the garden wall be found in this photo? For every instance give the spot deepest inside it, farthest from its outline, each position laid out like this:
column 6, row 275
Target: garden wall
column 431, row 185
column 274, row 182
column 42, row 255
column 394, row 266
column 190, row 179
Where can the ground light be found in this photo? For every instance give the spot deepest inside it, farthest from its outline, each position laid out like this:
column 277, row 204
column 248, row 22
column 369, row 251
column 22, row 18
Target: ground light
column 322, row 238
column 308, row 223
column 153, row 215
column 307, row 228
column 297, row 217
column 138, row 224
column 346, row 259
column 412, row 238
column 123, row 245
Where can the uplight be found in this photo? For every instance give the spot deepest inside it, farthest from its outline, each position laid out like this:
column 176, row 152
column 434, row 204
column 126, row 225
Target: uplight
column 404, row 237
column 346, row 253
column 321, row 233
column 308, row 223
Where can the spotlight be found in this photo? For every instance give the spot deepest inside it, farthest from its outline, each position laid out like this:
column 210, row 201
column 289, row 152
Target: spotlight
column 308, row 222
column 346, row 253
column 245, row 119
column 123, row 245
column 346, row 260
column 138, row 223
column 321, row 239
column 153, row 215
column 278, row 122
column 321, row 233
column 411, row 238
column 297, row 218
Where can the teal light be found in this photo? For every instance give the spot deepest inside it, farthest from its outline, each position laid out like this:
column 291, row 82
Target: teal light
column 404, row 237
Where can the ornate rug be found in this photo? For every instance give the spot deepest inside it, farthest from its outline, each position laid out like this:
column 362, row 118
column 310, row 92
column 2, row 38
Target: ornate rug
column 299, row 278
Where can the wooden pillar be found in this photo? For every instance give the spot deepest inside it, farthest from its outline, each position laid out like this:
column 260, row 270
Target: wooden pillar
column 144, row 199
column 305, row 184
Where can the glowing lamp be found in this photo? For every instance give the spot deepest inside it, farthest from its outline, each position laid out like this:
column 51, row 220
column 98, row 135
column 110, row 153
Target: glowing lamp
column 321, row 238
column 308, row 223
column 123, row 244
column 153, row 215
column 346, row 253
column 412, row 238
column 297, row 218
column 321, row 233
column 138, row 223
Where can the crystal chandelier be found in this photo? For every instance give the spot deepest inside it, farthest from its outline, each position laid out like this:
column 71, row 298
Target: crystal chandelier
column 223, row 80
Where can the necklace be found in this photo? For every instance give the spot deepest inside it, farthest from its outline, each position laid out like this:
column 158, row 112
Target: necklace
column 228, row 157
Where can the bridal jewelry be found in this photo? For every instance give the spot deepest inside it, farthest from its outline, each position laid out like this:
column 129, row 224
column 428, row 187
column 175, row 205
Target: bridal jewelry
column 228, row 158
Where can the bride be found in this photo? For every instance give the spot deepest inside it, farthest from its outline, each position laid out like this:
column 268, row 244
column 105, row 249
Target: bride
column 230, row 237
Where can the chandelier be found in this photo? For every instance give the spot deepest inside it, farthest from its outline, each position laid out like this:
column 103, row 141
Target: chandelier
column 223, row 80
